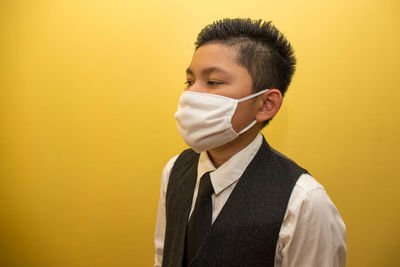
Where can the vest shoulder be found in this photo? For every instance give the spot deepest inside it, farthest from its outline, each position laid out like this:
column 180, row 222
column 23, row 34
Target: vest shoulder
column 184, row 161
column 187, row 155
column 286, row 160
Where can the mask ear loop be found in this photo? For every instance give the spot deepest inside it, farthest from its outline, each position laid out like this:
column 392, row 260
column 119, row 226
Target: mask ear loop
column 247, row 98
column 248, row 127
column 252, row 95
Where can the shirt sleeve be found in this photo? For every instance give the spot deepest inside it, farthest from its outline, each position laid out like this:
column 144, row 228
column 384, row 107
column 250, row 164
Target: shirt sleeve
column 313, row 232
column 161, row 218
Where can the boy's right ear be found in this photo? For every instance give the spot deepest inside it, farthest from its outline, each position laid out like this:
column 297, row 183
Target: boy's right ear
column 270, row 105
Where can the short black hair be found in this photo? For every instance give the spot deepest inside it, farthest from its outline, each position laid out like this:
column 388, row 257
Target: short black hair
column 261, row 49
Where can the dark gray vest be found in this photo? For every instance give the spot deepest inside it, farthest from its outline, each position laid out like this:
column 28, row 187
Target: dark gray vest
column 246, row 231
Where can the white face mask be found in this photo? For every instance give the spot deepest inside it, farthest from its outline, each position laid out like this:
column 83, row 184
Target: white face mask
column 205, row 120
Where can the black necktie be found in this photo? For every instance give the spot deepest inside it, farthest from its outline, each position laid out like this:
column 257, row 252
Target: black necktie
column 200, row 221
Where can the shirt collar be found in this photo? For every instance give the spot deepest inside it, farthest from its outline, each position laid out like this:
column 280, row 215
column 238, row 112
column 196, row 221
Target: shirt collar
column 229, row 172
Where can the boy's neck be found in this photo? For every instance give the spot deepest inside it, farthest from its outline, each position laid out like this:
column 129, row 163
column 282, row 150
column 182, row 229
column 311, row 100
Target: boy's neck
column 222, row 154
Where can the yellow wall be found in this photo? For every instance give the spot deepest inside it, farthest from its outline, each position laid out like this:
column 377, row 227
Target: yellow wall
column 88, row 90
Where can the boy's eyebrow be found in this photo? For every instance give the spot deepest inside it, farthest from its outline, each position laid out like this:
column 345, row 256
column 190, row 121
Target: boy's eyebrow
column 207, row 70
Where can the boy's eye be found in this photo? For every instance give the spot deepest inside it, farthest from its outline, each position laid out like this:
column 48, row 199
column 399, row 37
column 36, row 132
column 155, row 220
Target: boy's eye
column 213, row 83
column 189, row 83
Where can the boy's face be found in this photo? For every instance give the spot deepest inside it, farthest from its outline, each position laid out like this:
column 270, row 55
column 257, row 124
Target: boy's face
column 214, row 70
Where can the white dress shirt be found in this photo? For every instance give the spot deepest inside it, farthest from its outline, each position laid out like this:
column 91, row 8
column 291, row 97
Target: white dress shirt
column 312, row 232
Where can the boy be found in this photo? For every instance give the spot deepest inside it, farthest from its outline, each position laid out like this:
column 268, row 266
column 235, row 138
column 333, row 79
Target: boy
column 232, row 200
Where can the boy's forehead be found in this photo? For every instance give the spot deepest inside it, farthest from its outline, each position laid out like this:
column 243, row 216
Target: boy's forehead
column 208, row 70
column 213, row 57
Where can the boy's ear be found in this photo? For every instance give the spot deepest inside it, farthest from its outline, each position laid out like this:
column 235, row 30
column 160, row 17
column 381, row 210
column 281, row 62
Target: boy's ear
column 271, row 103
